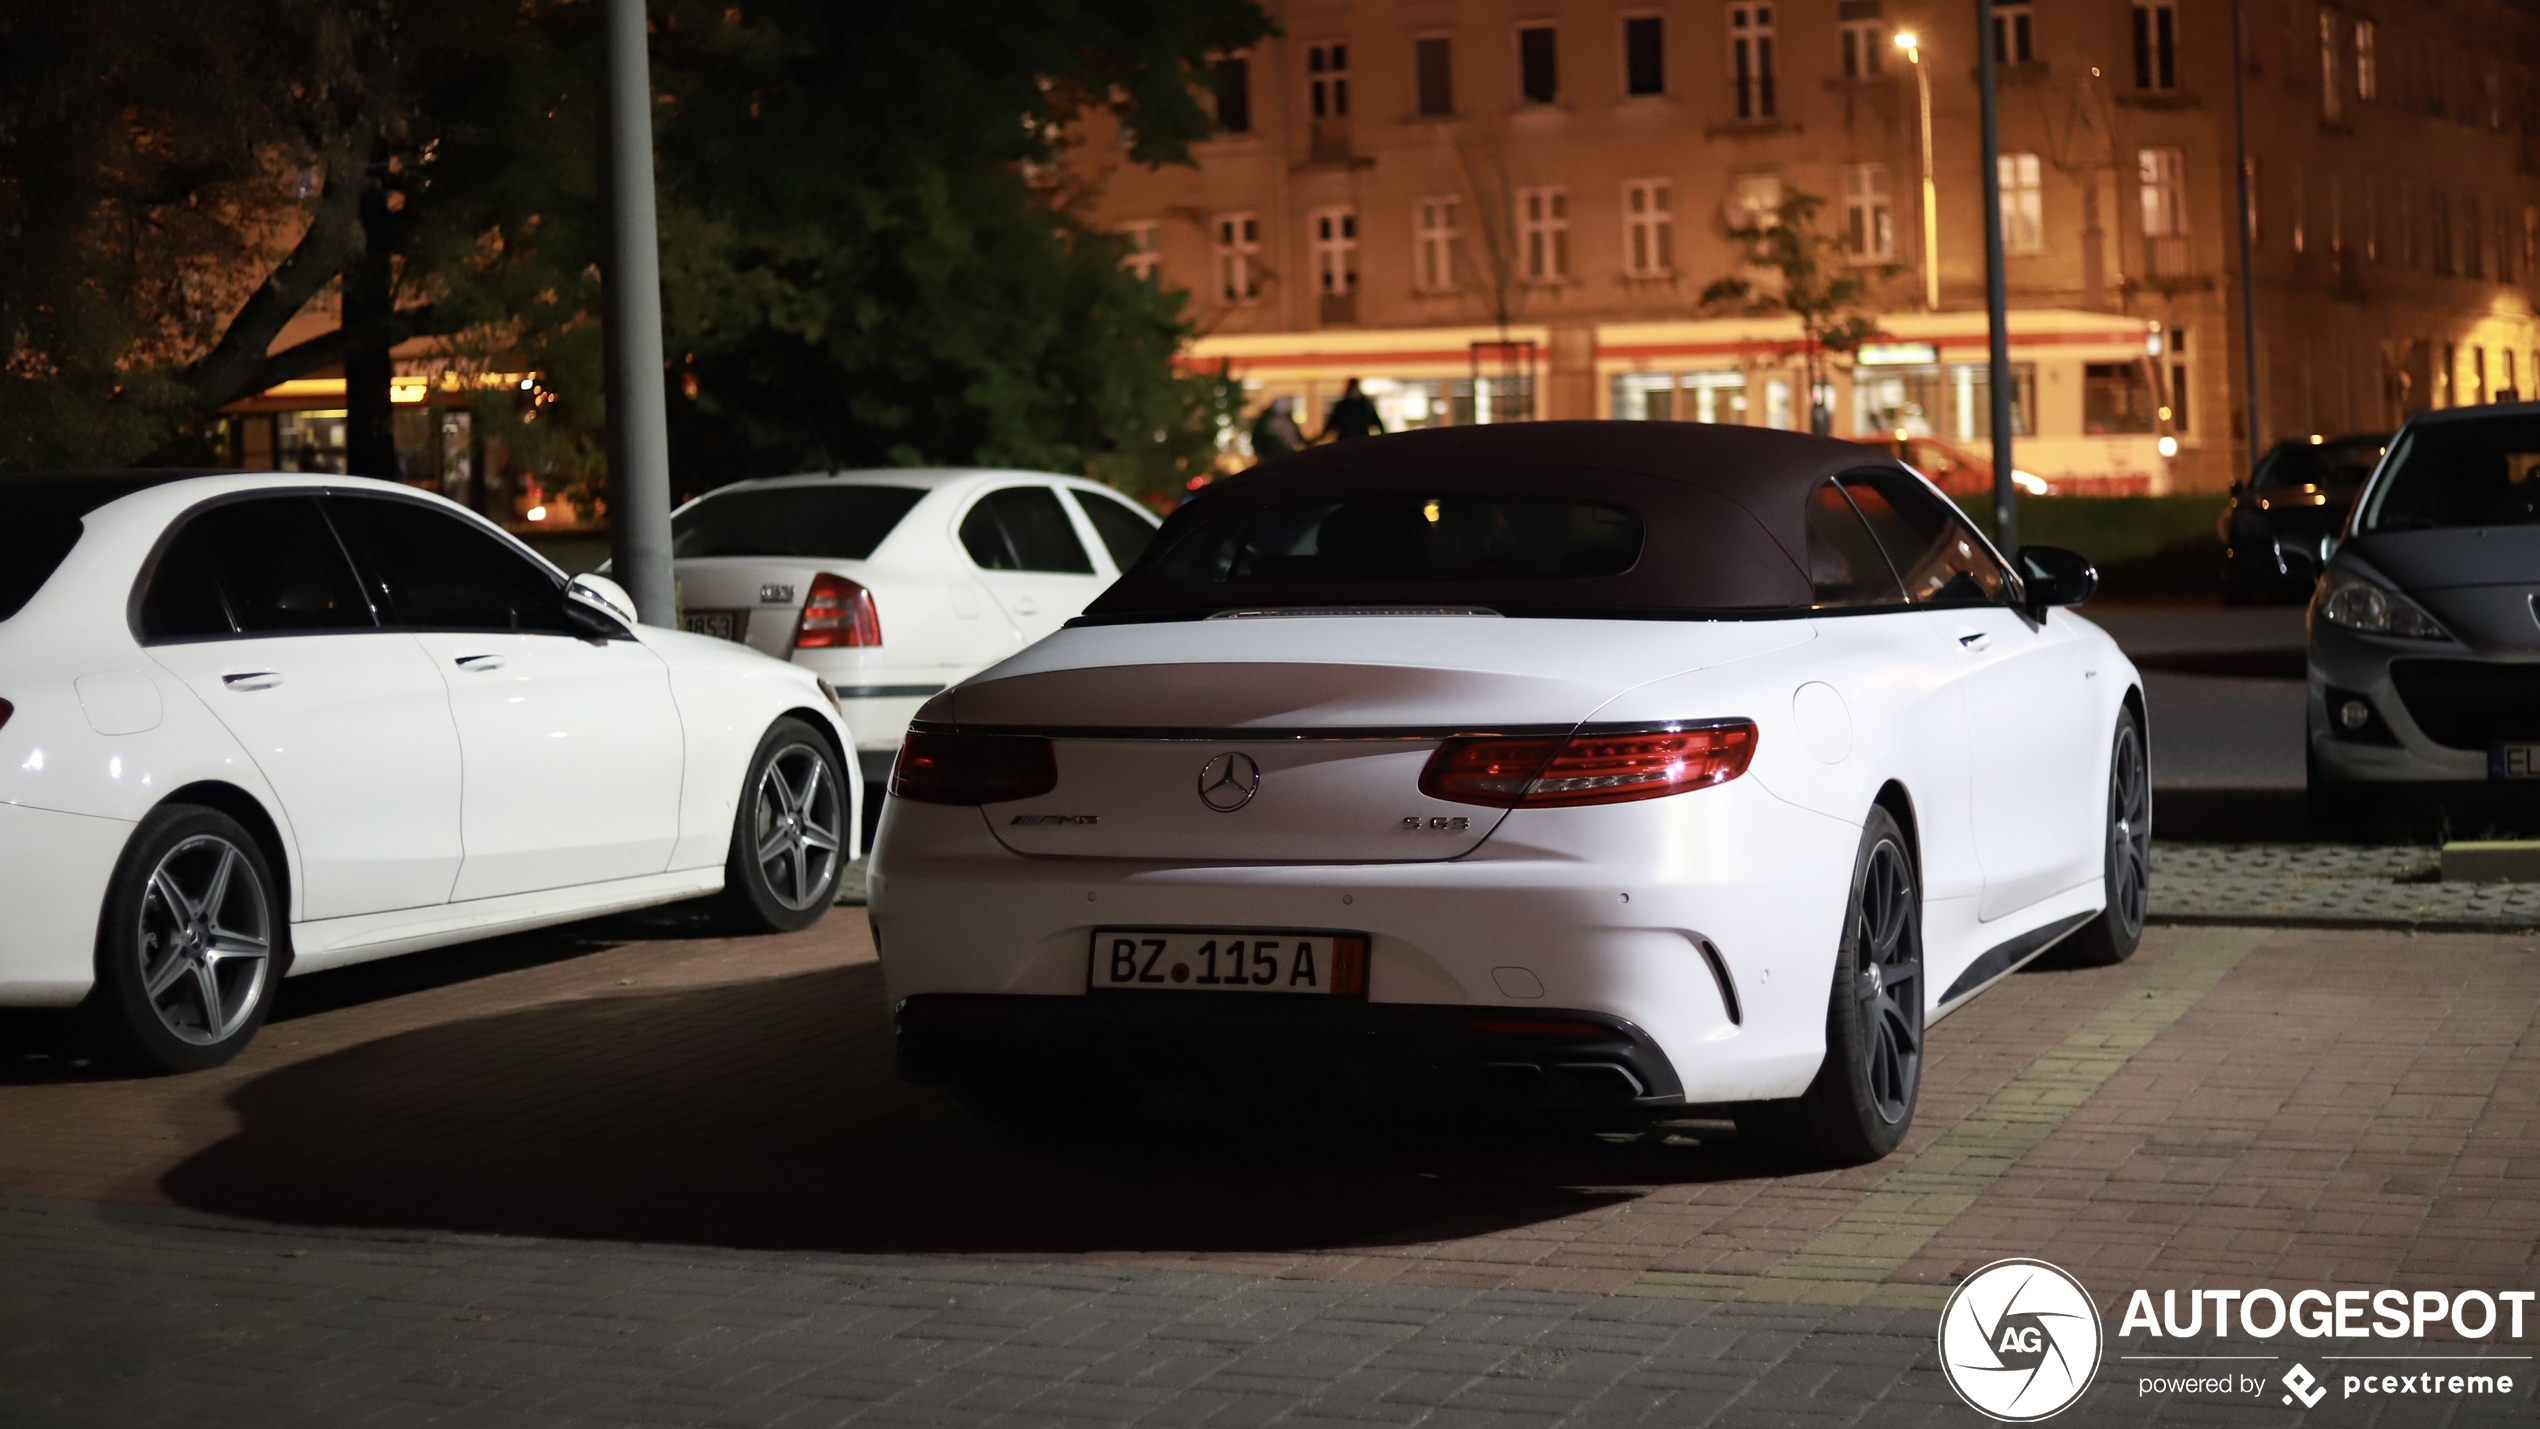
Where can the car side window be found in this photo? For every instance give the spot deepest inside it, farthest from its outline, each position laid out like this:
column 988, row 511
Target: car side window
column 1938, row 556
column 435, row 571
column 1846, row 567
column 1125, row 533
column 267, row 566
column 1023, row 528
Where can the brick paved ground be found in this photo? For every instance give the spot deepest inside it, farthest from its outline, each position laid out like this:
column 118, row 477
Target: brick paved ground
column 2233, row 1107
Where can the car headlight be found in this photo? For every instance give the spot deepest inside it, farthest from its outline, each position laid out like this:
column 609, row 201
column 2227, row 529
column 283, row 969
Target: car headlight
column 2349, row 600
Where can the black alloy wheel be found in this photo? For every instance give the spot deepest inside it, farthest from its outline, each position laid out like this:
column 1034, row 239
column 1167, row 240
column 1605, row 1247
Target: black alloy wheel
column 789, row 837
column 2113, row 935
column 1862, row 1102
column 192, row 942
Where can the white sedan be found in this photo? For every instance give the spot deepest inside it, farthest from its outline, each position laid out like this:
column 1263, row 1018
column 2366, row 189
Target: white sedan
column 1567, row 765
column 253, row 726
column 895, row 584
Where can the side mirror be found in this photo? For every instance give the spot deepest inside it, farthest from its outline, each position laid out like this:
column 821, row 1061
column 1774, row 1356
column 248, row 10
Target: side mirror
column 602, row 605
column 2055, row 576
column 2239, row 489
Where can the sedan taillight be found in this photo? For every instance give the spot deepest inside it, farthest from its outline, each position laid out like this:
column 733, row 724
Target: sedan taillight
column 838, row 613
column 1540, row 772
column 935, row 767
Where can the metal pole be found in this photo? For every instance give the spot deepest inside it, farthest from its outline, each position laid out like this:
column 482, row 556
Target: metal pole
column 639, row 429
column 2006, row 513
column 1931, row 191
column 2248, row 244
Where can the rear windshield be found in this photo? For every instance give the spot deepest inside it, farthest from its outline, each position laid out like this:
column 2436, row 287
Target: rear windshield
column 2329, row 466
column 1418, row 540
column 839, row 523
column 2459, row 473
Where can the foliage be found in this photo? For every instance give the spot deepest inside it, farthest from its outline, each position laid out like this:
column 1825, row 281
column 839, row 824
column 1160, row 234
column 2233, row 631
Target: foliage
column 864, row 258
column 1815, row 284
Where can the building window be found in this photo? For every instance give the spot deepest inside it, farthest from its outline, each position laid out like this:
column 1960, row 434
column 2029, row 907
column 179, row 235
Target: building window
column 2367, row 63
column 2249, row 183
column 2023, row 204
column 1543, row 233
column 1754, row 203
column 1145, row 257
column 2011, row 44
column 2115, row 400
column 1335, row 234
column 1433, row 63
column 1869, row 219
column 1233, row 83
column 2332, row 73
column 1751, row 59
column 2162, row 176
column 1538, row 65
column 2440, row 204
column 1327, row 81
column 2504, row 249
column 2373, row 249
column 2495, row 82
column 1644, row 55
column 2179, row 385
column 1435, row 226
column 2155, row 45
column 2531, row 246
column 1238, row 257
column 1649, row 228
column 1864, row 38
column 2407, row 225
column 2473, row 239
column 2301, row 215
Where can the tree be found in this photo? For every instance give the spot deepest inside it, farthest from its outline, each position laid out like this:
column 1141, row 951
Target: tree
column 864, row 258
column 1813, row 284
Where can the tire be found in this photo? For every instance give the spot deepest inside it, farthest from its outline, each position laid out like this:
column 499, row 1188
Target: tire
column 1862, row 1102
column 191, row 943
column 2126, row 870
column 789, row 835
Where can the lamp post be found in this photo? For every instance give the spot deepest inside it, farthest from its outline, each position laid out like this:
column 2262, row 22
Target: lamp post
column 1911, row 44
column 630, row 280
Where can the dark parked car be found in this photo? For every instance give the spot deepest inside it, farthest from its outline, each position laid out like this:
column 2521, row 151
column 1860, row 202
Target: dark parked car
column 2284, row 520
column 2424, row 635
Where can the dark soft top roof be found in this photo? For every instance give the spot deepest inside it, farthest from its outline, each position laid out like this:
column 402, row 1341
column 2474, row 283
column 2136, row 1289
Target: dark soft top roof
column 1724, row 512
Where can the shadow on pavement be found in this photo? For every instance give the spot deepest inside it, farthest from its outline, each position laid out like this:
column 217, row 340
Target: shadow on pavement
column 768, row 1115
column 2235, row 816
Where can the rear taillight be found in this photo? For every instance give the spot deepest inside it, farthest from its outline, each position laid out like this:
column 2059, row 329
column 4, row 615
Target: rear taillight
column 838, row 613
column 1539, row 772
column 943, row 768
column 6, row 709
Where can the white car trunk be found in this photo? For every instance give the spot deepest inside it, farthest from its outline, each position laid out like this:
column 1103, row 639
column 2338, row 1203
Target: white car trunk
column 1339, row 741
column 741, row 587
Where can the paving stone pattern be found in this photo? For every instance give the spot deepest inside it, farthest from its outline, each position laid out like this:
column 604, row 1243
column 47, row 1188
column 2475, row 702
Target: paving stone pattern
column 2328, row 886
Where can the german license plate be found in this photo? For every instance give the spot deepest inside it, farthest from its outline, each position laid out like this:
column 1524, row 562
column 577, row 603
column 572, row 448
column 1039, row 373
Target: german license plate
column 721, row 624
column 2513, row 761
column 1245, row 961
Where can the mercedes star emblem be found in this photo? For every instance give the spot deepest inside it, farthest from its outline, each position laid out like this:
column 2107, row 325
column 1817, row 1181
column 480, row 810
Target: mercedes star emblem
column 1228, row 782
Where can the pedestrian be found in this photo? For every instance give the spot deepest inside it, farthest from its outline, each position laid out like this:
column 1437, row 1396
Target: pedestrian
column 1275, row 432
column 1354, row 415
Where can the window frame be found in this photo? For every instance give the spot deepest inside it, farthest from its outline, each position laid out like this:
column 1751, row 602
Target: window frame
column 1626, row 35
column 1331, row 235
column 1424, row 103
column 2023, row 179
column 1327, row 64
column 1753, row 77
column 1145, row 258
column 1543, row 238
column 1869, row 213
column 2155, row 46
column 1436, row 249
column 1526, row 77
column 1235, row 255
column 1649, row 230
column 175, row 530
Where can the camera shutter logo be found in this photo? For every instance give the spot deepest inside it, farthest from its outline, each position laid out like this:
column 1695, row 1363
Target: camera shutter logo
column 2019, row 1341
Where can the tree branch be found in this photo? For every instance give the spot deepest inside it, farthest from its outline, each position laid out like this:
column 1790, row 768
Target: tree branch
column 237, row 365
column 327, row 349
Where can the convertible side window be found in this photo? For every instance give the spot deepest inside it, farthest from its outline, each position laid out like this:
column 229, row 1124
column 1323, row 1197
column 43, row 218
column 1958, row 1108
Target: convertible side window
column 1846, row 568
column 269, row 566
column 1940, row 558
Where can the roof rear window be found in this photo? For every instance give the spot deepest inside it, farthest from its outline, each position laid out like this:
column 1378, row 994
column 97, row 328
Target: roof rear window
column 1416, row 541
column 839, row 523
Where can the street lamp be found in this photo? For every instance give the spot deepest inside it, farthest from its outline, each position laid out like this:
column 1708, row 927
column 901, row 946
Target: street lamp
column 1912, row 45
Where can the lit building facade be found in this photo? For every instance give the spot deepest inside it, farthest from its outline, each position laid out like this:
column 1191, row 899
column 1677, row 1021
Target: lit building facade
column 1488, row 209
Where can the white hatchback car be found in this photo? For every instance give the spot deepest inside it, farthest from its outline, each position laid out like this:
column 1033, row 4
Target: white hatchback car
column 255, row 725
column 895, row 584
column 1564, row 765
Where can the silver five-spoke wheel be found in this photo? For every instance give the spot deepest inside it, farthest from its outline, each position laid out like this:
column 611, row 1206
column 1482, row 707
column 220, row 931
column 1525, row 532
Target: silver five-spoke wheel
column 205, row 940
column 1888, row 989
column 798, row 818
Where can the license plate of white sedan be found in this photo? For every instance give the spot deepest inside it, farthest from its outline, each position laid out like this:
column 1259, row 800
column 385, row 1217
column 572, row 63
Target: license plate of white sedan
column 721, row 624
column 1244, row 961
column 2513, row 761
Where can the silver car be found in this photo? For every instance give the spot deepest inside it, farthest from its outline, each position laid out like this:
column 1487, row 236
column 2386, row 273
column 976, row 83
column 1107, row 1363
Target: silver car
column 2424, row 634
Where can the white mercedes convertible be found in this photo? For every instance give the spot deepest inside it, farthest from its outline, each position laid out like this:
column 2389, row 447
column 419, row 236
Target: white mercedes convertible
column 259, row 725
column 1569, row 765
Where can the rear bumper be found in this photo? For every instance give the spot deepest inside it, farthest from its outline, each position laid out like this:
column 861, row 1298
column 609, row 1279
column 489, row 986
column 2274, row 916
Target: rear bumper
column 1315, row 1051
column 54, row 868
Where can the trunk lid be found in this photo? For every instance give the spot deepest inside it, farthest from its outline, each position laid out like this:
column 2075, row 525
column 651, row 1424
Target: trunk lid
column 1302, row 739
column 762, row 595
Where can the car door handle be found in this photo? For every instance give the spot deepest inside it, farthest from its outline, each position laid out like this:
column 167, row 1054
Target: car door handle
column 252, row 679
column 480, row 662
column 1977, row 641
column 1026, row 605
